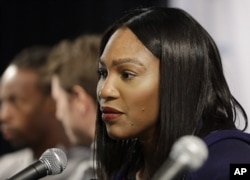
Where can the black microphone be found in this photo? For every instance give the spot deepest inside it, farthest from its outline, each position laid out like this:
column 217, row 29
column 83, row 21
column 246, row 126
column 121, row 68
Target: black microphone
column 52, row 161
column 187, row 154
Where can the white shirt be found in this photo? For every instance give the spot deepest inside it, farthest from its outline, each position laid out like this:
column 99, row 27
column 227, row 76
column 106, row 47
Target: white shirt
column 79, row 165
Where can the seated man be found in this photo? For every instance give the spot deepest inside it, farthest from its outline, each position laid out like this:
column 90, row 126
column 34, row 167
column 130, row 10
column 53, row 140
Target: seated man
column 73, row 67
column 27, row 114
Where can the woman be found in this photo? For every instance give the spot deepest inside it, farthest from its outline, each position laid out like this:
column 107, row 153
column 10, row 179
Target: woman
column 160, row 78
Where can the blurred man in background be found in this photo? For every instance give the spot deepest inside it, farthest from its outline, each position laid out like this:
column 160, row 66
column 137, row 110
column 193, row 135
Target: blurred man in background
column 27, row 114
column 73, row 66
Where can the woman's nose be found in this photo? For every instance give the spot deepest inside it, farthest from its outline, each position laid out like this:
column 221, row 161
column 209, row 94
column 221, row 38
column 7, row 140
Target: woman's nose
column 106, row 89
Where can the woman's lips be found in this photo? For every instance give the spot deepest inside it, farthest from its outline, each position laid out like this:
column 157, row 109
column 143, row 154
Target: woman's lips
column 110, row 114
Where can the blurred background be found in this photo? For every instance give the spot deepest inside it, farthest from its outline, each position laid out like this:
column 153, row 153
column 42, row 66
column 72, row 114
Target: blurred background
column 26, row 23
column 29, row 22
column 46, row 22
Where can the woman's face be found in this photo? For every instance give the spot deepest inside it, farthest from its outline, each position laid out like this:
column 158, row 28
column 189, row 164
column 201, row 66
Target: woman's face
column 128, row 87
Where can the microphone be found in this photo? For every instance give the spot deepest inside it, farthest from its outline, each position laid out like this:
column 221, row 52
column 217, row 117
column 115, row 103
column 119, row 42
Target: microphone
column 52, row 161
column 187, row 154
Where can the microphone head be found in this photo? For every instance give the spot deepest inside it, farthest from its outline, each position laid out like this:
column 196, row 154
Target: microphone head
column 55, row 160
column 190, row 151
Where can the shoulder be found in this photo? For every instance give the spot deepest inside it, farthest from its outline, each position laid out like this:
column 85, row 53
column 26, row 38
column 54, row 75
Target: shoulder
column 79, row 166
column 20, row 155
column 13, row 162
column 231, row 146
column 225, row 147
column 222, row 135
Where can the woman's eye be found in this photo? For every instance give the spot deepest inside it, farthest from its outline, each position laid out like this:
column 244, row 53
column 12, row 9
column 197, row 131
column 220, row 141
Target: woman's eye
column 127, row 75
column 102, row 73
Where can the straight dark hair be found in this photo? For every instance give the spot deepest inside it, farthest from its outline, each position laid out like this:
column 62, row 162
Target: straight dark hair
column 194, row 95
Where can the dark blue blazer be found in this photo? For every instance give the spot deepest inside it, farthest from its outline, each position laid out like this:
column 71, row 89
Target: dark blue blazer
column 225, row 147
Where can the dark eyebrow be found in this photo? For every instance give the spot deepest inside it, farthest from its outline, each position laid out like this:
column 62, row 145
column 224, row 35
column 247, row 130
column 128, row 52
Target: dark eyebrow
column 123, row 61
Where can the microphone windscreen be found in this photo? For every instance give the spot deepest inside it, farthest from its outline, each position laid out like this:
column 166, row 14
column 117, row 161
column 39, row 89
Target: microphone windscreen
column 187, row 154
column 55, row 160
column 190, row 151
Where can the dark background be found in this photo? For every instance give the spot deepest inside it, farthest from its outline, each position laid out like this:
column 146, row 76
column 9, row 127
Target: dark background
column 26, row 23
column 46, row 22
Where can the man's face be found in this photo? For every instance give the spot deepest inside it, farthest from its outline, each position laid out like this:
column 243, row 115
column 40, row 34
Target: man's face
column 63, row 108
column 24, row 115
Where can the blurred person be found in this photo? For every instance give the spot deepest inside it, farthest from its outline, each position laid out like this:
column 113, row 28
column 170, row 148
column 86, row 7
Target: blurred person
column 73, row 65
column 4, row 144
column 27, row 113
column 161, row 78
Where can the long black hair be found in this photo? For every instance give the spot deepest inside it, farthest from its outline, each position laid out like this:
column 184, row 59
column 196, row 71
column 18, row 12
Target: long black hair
column 194, row 95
